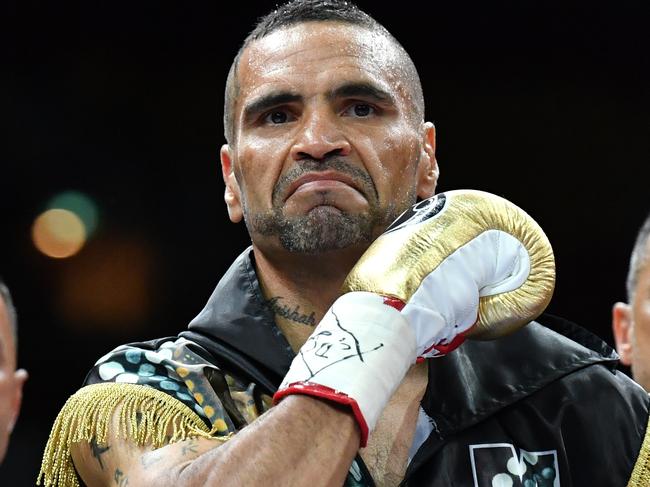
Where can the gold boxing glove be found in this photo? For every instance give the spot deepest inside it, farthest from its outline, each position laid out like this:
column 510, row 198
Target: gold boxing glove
column 461, row 264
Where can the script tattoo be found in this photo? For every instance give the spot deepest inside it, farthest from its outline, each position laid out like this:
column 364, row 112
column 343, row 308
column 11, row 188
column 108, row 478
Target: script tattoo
column 98, row 450
column 294, row 314
column 326, row 348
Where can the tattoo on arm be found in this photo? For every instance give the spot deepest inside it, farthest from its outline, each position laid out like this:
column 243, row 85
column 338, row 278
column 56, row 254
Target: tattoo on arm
column 98, row 450
column 150, row 459
column 120, row 479
column 190, row 447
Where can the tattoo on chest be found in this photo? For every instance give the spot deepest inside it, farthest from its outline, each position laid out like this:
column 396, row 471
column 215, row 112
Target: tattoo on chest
column 292, row 314
column 98, row 450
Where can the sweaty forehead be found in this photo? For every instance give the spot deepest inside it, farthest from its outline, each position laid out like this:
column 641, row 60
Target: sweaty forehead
column 311, row 49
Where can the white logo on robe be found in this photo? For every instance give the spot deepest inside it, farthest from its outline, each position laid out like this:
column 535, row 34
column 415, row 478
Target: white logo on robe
column 498, row 465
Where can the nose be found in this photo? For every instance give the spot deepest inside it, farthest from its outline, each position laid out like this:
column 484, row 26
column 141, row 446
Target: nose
column 320, row 137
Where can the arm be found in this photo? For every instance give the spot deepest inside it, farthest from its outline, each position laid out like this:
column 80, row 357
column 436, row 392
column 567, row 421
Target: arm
column 482, row 264
column 290, row 444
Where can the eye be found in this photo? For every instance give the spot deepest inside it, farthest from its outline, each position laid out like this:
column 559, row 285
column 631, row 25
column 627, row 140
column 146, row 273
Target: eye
column 276, row 117
column 360, row 110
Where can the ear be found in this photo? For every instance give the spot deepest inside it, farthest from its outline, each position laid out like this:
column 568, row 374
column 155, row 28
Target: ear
column 622, row 329
column 232, row 195
column 427, row 172
column 20, row 376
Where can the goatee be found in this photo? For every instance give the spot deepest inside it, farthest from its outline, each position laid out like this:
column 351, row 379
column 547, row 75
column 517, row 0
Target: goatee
column 323, row 228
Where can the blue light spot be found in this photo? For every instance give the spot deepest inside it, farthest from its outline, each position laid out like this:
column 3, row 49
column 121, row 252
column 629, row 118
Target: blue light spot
column 133, row 356
column 169, row 385
column 184, row 397
column 146, row 370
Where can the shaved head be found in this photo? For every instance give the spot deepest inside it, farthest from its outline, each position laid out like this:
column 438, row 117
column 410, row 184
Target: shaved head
column 303, row 11
column 639, row 258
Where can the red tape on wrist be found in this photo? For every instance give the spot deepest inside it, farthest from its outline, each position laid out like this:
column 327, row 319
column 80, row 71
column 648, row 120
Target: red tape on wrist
column 324, row 392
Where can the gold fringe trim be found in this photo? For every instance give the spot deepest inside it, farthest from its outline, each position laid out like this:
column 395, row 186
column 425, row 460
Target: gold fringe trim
column 146, row 416
column 641, row 474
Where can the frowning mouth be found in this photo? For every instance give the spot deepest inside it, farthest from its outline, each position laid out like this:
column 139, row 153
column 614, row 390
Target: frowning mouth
column 322, row 180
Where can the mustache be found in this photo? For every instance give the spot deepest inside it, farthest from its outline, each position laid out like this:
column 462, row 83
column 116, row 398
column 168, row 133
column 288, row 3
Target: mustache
column 338, row 164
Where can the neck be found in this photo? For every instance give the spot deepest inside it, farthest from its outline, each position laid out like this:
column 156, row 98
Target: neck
column 300, row 288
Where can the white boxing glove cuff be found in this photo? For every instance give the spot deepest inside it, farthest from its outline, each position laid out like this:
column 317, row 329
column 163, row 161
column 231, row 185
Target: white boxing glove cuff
column 357, row 355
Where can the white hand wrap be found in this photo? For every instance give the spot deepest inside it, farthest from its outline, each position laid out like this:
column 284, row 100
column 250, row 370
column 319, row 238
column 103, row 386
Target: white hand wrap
column 357, row 355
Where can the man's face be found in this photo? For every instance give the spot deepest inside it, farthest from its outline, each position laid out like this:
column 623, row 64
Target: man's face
column 11, row 381
column 640, row 329
column 631, row 327
column 327, row 150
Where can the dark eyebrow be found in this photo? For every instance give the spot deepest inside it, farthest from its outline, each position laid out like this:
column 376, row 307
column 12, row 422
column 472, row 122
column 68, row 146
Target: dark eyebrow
column 362, row 90
column 268, row 101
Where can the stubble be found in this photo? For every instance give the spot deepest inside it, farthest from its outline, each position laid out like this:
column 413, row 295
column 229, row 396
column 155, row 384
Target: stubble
column 325, row 227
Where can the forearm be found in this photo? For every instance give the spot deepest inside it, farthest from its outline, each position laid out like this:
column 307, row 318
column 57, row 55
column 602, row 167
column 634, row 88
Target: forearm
column 301, row 441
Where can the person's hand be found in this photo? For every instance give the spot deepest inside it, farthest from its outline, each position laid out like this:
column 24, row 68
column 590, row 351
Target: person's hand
column 461, row 264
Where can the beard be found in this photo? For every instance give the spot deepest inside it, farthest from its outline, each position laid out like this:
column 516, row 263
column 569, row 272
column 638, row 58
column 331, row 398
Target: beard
column 324, row 228
column 321, row 230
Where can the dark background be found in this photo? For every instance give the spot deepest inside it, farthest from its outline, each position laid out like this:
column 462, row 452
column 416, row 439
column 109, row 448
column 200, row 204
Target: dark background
column 542, row 102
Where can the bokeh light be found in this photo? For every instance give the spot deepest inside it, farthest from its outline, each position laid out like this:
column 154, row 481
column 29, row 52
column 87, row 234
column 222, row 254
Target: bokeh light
column 81, row 205
column 58, row 233
column 109, row 287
